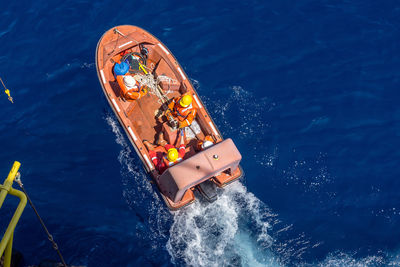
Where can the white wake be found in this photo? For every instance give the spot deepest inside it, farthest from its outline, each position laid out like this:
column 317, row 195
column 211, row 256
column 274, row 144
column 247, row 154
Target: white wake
column 139, row 193
column 231, row 231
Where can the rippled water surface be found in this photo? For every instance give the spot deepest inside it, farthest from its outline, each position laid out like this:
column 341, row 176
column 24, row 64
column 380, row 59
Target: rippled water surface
column 308, row 91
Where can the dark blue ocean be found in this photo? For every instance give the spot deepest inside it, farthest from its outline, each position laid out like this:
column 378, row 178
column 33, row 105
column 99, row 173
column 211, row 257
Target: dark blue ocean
column 308, row 90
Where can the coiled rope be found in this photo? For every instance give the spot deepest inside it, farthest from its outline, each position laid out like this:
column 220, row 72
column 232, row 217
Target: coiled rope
column 152, row 84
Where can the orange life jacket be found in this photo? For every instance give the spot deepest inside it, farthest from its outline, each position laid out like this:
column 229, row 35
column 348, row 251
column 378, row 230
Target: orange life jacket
column 132, row 93
column 170, row 163
column 185, row 115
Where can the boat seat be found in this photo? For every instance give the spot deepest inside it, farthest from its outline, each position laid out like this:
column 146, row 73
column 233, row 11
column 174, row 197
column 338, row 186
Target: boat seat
column 170, row 84
column 115, row 87
column 164, row 69
column 169, row 134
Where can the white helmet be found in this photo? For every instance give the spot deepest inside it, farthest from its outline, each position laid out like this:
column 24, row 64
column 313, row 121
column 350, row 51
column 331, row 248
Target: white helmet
column 206, row 144
column 129, row 82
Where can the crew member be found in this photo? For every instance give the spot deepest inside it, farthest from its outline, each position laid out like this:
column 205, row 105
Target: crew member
column 182, row 109
column 165, row 155
column 130, row 88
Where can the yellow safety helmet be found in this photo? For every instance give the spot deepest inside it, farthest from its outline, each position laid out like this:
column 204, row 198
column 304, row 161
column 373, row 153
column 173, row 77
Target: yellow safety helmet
column 172, row 154
column 186, row 100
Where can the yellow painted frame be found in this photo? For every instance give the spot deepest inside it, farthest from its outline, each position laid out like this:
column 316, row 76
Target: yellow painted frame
column 5, row 189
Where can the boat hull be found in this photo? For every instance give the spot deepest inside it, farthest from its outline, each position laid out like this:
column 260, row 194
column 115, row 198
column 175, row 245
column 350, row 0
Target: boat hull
column 138, row 118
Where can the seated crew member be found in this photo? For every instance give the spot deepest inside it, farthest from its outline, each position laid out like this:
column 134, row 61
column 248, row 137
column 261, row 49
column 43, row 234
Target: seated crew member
column 131, row 89
column 203, row 144
column 169, row 155
column 182, row 109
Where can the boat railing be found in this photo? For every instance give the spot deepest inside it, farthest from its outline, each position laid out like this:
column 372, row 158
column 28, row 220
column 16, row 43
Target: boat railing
column 5, row 189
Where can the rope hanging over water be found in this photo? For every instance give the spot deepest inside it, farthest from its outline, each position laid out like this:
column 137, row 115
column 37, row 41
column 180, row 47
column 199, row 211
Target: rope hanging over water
column 49, row 236
column 7, row 92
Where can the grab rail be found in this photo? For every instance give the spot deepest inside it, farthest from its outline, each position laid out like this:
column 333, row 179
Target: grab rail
column 5, row 189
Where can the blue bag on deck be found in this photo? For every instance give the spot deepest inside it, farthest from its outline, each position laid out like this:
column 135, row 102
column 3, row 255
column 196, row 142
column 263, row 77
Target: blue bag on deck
column 121, row 68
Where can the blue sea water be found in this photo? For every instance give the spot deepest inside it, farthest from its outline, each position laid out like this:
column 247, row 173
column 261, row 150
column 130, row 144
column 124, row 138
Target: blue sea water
column 308, row 90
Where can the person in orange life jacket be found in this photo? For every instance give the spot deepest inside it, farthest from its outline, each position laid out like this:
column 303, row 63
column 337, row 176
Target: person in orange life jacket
column 170, row 156
column 182, row 109
column 203, row 144
column 131, row 89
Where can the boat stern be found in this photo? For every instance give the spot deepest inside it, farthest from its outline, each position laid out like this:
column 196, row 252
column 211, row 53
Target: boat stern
column 221, row 159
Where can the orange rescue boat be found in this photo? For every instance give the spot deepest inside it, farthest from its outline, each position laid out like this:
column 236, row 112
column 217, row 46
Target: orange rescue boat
column 154, row 67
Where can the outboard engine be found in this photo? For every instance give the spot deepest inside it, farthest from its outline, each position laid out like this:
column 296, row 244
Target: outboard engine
column 208, row 190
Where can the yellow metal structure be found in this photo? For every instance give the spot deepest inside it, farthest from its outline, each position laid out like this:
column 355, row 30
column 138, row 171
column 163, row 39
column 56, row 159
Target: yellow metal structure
column 142, row 68
column 5, row 189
